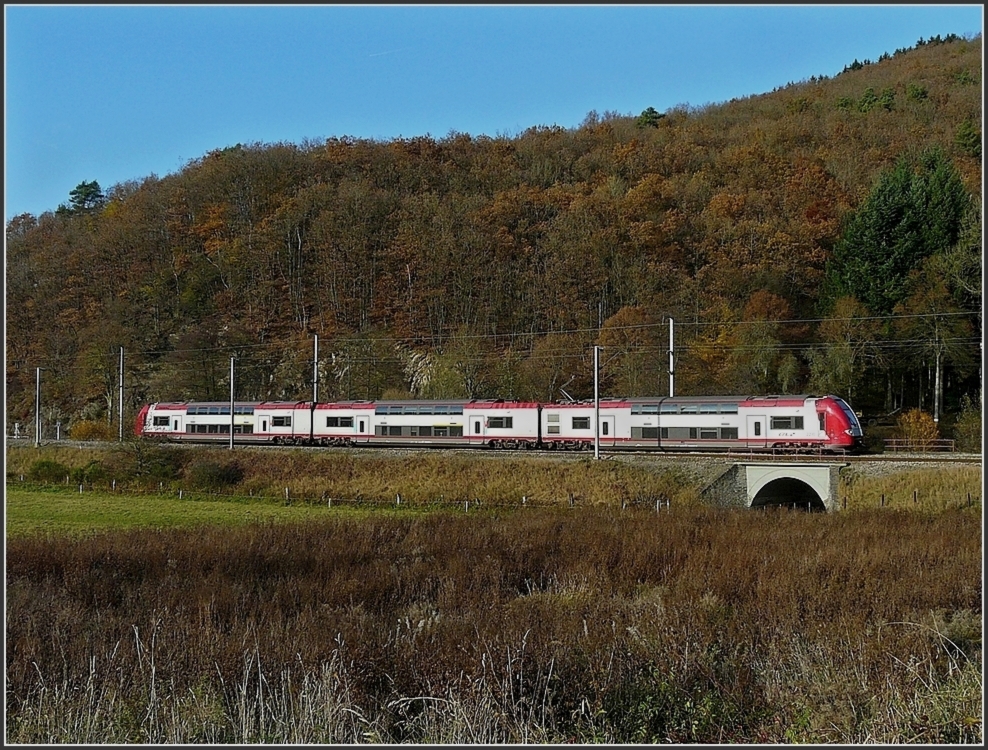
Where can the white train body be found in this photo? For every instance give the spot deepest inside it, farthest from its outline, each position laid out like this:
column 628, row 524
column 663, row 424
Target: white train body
column 689, row 423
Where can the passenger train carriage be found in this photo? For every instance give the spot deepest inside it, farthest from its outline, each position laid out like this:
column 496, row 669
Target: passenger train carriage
column 684, row 423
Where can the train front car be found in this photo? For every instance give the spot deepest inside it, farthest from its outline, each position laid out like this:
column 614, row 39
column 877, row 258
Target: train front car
column 840, row 424
column 140, row 423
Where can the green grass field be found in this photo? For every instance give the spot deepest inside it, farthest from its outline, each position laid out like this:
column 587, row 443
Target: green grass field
column 63, row 511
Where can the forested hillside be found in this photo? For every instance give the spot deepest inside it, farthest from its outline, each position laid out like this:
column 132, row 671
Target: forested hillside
column 823, row 237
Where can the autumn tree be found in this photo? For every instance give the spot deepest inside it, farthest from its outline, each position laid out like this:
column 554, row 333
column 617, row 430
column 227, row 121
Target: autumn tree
column 633, row 360
column 850, row 343
column 935, row 327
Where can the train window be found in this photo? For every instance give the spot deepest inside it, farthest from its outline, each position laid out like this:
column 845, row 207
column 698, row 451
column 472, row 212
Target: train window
column 440, row 410
column 669, row 409
column 581, row 423
column 552, row 429
column 500, row 423
column 160, row 421
column 729, row 433
column 244, row 410
column 692, row 433
column 425, row 432
column 441, row 431
column 456, row 410
column 797, row 423
column 380, row 410
column 281, row 421
column 394, row 430
column 650, row 433
column 728, row 408
column 603, row 428
column 708, row 434
column 709, row 408
column 243, row 429
column 190, row 428
column 787, row 423
column 380, row 430
column 688, row 409
column 456, row 430
column 758, row 428
column 552, row 418
column 823, row 421
column 645, row 409
column 339, row 421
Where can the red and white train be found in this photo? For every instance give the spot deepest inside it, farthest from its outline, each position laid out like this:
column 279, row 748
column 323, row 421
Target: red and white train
column 682, row 423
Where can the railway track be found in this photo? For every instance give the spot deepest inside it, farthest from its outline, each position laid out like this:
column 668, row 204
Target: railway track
column 730, row 456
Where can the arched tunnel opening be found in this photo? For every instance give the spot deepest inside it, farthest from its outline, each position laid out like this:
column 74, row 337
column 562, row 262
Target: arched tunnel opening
column 787, row 492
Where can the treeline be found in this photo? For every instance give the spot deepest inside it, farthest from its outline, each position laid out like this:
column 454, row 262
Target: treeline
column 825, row 237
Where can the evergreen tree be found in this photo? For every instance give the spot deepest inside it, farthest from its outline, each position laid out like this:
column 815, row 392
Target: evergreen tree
column 86, row 196
column 649, row 118
column 968, row 139
column 914, row 211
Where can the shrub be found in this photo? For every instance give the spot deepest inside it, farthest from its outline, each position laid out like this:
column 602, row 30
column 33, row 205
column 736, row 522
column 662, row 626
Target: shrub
column 967, row 430
column 143, row 459
column 210, row 475
column 90, row 429
column 46, row 470
column 91, row 473
column 918, row 428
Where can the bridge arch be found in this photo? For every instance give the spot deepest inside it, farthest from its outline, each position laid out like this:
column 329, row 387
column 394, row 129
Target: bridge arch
column 788, row 492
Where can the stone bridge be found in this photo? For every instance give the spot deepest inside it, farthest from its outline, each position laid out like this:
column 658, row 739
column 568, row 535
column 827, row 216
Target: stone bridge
column 807, row 486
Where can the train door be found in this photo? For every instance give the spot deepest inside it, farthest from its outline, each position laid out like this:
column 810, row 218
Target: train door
column 607, row 430
column 756, row 430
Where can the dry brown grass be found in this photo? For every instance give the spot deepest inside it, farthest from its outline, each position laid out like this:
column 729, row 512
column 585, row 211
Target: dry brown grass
column 529, row 625
column 914, row 489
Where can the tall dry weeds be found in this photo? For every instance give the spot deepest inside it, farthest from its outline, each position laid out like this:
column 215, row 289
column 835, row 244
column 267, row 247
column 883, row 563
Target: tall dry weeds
column 533, row 625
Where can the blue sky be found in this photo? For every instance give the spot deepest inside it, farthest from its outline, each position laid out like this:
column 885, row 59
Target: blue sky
column 112, row 93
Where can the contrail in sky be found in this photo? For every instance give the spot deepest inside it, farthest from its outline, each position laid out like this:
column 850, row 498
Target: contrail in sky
column 391, row 52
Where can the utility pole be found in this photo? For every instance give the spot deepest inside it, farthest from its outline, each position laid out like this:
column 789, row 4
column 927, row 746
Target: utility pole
column 37, row 408
column 315, row 388
column 672, row 371
column 596, row 403
column 231, row 403
column 315, row 370
column 121, row 399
